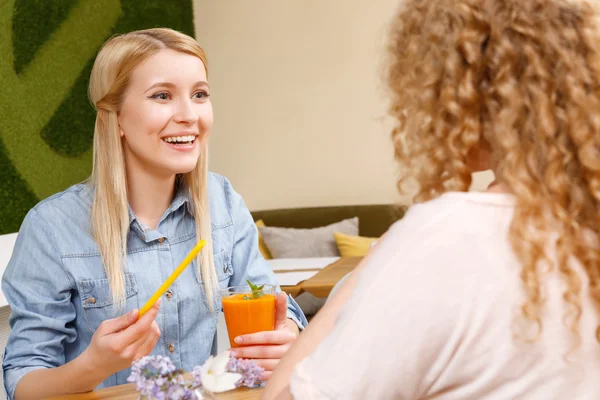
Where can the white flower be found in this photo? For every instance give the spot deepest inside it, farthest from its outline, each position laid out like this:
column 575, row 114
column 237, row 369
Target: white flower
column 214, row 376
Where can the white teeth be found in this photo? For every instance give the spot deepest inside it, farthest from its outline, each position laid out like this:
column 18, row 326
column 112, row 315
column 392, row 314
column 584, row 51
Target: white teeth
column 179, row 139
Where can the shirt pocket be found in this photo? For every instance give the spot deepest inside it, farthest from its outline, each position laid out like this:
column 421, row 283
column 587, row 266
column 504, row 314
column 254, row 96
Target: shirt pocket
column 223, row 267
column 97, row 302
column 224, row 270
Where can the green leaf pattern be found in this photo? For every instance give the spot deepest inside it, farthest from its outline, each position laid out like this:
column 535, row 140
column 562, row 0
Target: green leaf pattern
column 46, row 121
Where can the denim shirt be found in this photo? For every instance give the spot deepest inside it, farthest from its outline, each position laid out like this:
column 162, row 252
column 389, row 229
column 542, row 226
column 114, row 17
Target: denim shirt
column 58, row 291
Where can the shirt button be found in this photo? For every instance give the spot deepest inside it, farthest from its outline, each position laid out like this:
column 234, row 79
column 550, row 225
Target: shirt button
column 92, row 300
column 160, row 240
column 169, row 294
column 171, row 348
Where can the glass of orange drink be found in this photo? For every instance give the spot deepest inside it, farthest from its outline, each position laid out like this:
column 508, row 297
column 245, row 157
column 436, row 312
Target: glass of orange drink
column 248, row 309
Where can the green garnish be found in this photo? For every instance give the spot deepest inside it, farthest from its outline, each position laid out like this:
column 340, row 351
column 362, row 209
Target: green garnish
column 257, row 291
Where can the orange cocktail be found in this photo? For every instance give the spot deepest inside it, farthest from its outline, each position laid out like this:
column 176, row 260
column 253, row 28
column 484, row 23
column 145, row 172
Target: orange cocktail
column 248, row 311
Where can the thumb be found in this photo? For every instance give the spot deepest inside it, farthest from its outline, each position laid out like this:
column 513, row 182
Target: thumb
column 119, row 323
column 280, row 310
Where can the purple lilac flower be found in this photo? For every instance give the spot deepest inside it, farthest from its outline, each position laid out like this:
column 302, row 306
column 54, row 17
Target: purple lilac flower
column 179, row 392
column 196, row 373
column 248, row 369
column 157, row 377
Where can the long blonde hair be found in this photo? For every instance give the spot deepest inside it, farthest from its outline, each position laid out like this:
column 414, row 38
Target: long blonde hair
column 522, row 77
column 109, row 80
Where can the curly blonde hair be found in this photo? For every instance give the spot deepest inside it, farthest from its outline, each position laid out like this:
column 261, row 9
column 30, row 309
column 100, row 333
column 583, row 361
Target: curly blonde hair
column 520, row 78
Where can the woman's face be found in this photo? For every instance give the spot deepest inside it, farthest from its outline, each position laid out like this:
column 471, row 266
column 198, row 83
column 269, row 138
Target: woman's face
column 166, row 115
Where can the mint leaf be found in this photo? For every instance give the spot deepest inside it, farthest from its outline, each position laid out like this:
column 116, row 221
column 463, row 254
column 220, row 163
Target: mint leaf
column 257, row 291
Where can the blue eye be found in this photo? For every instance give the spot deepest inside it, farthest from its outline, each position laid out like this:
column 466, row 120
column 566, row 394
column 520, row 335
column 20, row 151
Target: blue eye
column 201, row 95
column 160, row 96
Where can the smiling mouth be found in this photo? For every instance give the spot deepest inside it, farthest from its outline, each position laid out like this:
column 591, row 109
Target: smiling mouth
column 180, row 140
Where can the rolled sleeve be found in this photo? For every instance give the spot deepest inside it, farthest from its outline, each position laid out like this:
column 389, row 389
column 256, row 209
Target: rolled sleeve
column 248, row 263
column 295, row 313
column 12, row 378
column 38, row 291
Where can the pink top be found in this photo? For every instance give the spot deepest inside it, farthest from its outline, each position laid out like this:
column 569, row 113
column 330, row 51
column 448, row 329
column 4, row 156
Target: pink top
column 434, row 313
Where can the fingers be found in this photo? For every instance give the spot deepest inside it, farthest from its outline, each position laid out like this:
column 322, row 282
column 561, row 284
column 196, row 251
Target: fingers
column 146, row 344
column 261, row 352
column 280, row 309
column 137, row 330
column 267, row 364
column 155, row 328
column 266, row 375
column 118, row 324
column 282, row 336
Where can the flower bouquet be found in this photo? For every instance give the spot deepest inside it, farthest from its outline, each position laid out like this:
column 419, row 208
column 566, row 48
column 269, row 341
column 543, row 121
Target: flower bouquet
column 157, row 378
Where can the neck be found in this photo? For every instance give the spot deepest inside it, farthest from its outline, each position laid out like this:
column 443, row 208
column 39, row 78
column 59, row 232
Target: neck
column 497, row 187
column 149, row 195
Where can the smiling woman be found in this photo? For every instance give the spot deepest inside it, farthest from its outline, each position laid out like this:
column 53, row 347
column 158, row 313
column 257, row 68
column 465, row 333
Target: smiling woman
column 165, row 124
column 86, row 258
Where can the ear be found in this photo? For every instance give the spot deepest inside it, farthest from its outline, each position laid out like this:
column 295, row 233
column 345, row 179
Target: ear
column 121, row 133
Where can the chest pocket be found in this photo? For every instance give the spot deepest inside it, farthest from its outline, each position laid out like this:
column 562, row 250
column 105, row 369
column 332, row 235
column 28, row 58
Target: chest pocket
column 223, row 267
column 224, row 270
column 97, row 300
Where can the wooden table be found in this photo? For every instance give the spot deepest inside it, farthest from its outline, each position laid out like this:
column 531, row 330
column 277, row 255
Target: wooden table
column 128, row 392
column 321, row 284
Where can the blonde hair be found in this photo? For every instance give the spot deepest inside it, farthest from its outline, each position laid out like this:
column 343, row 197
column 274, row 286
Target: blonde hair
column 522, row 78
column 110, row 209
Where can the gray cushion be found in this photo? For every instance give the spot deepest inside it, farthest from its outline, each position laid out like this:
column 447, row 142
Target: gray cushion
column 299, row 243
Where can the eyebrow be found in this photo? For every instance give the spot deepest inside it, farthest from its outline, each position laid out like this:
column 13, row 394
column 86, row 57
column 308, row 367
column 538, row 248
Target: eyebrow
column 170, row 85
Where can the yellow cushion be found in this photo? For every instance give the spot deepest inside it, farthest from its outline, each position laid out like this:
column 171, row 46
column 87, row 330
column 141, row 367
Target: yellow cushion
column 353, row 246
column 262, row 246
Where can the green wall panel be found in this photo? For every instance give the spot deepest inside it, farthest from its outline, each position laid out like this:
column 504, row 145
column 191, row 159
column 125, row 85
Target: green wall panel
column 46, row 121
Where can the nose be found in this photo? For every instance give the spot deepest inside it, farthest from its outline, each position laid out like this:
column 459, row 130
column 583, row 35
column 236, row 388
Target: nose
column 185, row 112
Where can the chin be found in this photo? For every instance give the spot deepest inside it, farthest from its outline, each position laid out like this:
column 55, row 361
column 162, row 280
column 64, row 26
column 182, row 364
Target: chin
column 184, row 170
column 180, row 167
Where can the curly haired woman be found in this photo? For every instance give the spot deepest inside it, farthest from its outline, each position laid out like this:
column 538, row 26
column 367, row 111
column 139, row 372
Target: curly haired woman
column 491, row 295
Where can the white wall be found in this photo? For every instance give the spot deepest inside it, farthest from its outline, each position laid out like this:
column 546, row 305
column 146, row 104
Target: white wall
column 7, row 243
column 300, row 109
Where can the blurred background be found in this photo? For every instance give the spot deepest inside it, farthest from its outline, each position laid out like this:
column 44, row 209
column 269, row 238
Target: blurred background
column 299, row 99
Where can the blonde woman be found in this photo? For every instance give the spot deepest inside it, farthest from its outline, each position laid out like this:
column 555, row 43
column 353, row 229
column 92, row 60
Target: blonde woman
column 492, row 295
column 86, row 259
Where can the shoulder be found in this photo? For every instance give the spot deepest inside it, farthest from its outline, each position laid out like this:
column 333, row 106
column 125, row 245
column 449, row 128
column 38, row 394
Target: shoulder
column 456, row 230
column 222, row 194
column 216, row 181
column 219, row 187
column 221, row 200
column 63, row 218
column 74, row 202
column 463, row 213
column 451, row 253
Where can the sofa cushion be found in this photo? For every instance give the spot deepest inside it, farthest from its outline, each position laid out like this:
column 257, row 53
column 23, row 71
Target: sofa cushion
column 299, row 243
column 375, row 219
column 262, row 246
column 353, row 246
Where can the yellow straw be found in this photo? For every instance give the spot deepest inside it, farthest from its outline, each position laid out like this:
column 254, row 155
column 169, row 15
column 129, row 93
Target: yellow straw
column 163, row 288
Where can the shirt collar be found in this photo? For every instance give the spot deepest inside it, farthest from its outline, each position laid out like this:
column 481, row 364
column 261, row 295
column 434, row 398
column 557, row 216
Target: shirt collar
column 182, row 197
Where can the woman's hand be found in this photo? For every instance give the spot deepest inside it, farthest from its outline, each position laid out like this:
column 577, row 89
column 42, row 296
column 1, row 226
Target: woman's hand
column 268, row 347
column 118, row 342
